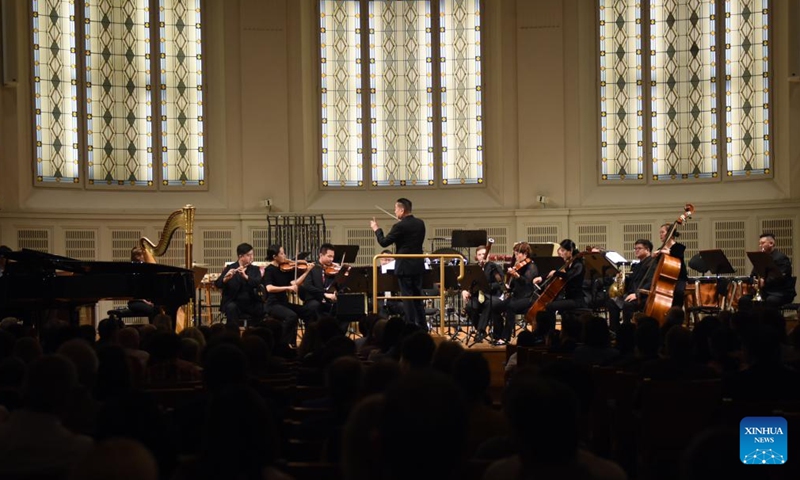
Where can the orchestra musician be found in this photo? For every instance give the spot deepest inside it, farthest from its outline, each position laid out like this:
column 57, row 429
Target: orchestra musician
column 317, row 293
column 142, row 306
column 677, row 250
column 408, row 235
column 520, row 286
column 629, row 302
column 478, row 306
column 238, row 283
column 778, row 290
column 571, row 296
column 281, row 277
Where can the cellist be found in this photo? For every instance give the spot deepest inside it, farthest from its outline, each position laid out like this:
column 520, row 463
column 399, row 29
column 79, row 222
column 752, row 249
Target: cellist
column 571, row 296
column 519, row 281
column 675, row 249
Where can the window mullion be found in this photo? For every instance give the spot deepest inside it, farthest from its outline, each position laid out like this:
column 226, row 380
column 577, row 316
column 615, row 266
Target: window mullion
column 722, row 87
column 157, row 140
column 81, row 89
column 366, row 94
column 437, row 57
column 646, row 102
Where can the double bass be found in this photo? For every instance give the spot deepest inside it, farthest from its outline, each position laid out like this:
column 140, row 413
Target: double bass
column 665, row 277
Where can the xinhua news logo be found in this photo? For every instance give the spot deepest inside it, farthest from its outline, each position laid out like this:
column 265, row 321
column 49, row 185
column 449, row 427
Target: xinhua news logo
column 763, row 440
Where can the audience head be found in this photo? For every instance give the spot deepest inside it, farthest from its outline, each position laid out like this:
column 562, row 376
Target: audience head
column 596, row 332
column 49, row 384
column 117, row 458
column 445, row 356
column 27, row 349
column 471, row 374
column 129, row 338
column 559, row 407
column 224, row 364
column 647, row 337
column 84, row 358
column 417, row 350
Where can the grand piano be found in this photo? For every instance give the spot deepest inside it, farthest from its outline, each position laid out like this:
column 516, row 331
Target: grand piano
column 36, row 286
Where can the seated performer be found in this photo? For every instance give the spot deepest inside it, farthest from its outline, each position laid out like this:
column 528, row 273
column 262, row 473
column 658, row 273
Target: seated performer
column 279, row 282
column 630, row 302
column 520, row 285
column 238, row 282
column 317, row 293
column 778, row 290
column 478, row 305
column 141, row 306
column 571, row 296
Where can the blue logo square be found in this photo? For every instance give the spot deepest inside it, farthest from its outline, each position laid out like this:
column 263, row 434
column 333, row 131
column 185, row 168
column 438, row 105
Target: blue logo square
column 763, row 441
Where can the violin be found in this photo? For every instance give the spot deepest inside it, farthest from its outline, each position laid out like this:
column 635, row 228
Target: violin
column 289, row 265
column 335, row 268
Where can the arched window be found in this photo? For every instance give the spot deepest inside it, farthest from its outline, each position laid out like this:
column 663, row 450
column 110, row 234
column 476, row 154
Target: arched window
column 684, row 90
column 401, row 93
column 118, row 93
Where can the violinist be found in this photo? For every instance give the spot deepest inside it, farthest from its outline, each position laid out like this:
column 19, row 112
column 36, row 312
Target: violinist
column 571, row 296
column 238, row 283
column 520, row 286
column 281, row 277
column 317, row 293
column 675, row 249
column 478, row 305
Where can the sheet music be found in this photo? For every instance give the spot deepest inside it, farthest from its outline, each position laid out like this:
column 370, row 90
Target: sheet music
column 615, row 257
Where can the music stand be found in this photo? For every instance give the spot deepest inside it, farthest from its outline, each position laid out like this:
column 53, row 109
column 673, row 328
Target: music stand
column 360, row 280
column 546, row 264
column 763, row 265
column 716, row 262
column 542, row 250
column 598, row 266
column 468, row 238
column 346, row 252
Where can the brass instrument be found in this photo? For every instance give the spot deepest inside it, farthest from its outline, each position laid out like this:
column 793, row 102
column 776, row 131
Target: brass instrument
column 617, row 289
column 183, row 218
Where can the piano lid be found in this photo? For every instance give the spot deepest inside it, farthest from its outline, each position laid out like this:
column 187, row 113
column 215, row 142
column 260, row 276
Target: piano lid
column 28, row 261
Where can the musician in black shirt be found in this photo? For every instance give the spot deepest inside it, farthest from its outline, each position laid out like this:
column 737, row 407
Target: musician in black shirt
column 238, row 282
column 630, row 302
column 478, row 305
column 317, row 292
column 279, row 282
column 571, row 296
column 519, row 280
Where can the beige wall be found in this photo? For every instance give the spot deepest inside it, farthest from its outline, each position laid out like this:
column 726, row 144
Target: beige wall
column 541, row 110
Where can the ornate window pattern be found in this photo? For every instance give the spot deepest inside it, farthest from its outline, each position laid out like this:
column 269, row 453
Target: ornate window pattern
column 141, row 93
column 686, row 107
column 399, row 100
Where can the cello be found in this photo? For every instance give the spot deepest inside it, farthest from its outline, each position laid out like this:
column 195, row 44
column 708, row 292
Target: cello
column 551, row 288
column 665, row 277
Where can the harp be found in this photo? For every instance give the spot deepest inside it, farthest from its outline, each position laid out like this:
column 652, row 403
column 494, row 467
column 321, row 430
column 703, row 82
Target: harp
column 184, row 219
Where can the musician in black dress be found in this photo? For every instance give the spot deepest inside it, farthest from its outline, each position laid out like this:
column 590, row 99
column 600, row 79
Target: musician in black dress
column 279, row 282
column 776, row 290
column 317, row 292
column 238, row 283
column 675, row 249
column 142, row 306
column 571, row 296
column 519, row 280
column 630, row 302
column 478, row 305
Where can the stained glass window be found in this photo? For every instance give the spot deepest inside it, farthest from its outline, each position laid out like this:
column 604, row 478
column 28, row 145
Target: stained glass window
column 55, row 92
column 141, row 90
column 401, row 105
column 684, row 108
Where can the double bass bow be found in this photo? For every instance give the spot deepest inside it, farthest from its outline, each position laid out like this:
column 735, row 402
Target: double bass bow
column 665, row 277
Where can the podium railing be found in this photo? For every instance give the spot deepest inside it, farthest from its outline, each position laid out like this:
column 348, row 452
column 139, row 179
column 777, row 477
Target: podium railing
column 440, row 256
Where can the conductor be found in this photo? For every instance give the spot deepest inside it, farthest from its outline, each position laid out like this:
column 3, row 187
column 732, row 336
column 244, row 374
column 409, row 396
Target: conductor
column 408, row 235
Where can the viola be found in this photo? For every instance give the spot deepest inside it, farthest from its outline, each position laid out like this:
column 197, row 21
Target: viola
column 289, row 265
